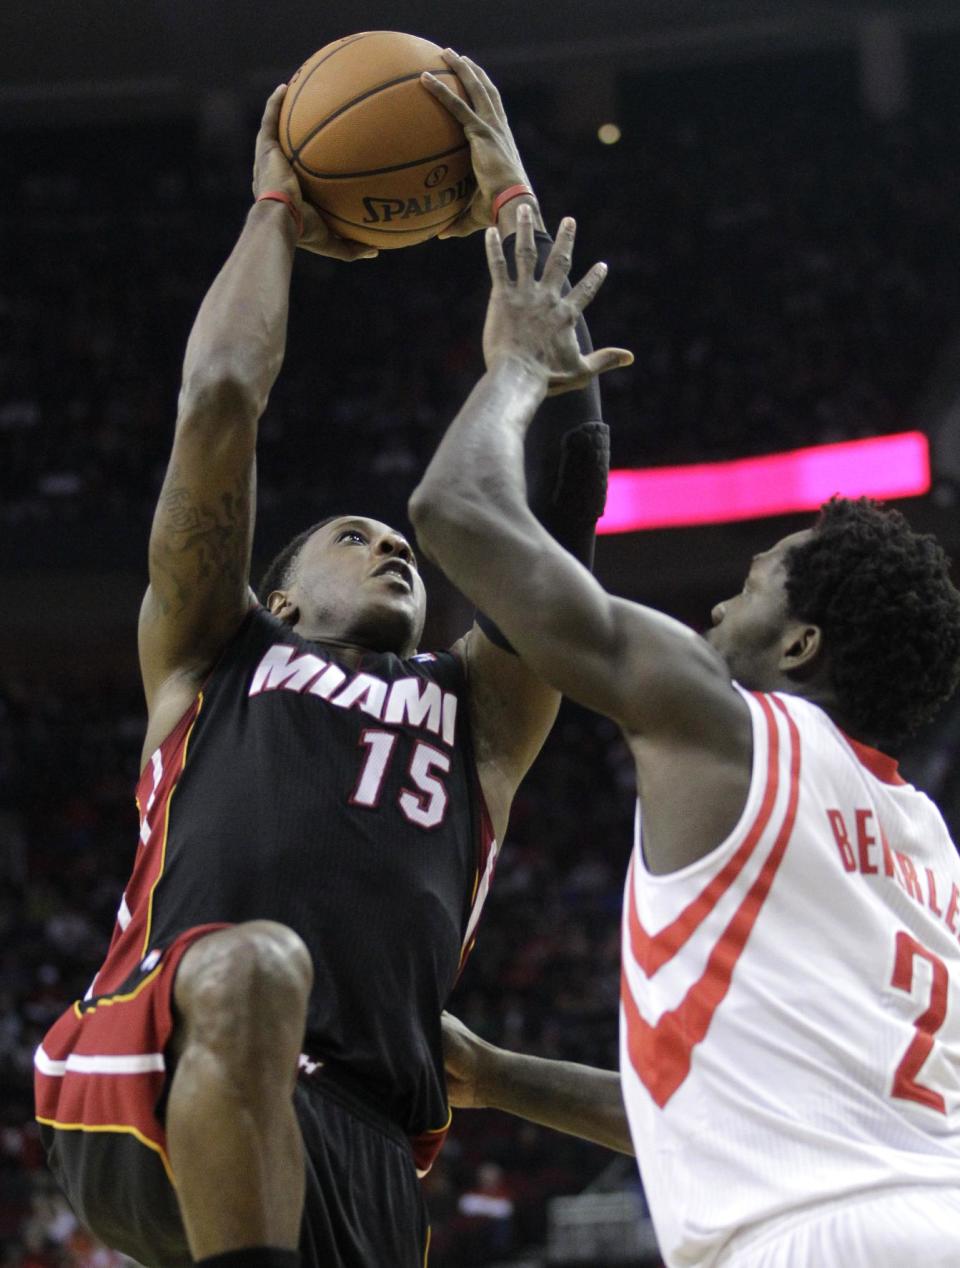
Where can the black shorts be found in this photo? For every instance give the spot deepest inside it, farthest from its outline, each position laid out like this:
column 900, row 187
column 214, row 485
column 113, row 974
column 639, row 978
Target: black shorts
column 364, row 1207
column 101, row 1076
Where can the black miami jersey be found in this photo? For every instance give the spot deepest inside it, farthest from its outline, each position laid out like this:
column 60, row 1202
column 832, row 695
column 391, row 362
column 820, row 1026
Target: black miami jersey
column 343, row 802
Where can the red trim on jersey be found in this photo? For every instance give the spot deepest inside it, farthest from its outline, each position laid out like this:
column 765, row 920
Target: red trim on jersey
column 485, row 845
column 487, row 837
column 427, row 1145
column 651, row 952
column 661, row 1054
column 101, row 1066
column 174, row 760
column 128, row 946
column 882, row 765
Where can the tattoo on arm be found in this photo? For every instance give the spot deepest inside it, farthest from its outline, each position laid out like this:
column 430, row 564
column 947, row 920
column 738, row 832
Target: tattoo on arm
column 199, row 547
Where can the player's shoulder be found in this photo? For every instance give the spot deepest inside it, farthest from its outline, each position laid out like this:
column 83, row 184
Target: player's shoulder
column 821, row 735
column 795, row 710
column 260, row 628
column 798, row 733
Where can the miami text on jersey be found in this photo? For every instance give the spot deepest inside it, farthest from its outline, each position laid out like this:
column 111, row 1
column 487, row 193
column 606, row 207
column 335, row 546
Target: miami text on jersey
column 409, row 701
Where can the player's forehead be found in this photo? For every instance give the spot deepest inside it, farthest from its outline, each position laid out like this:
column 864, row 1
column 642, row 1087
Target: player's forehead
column 767, row 561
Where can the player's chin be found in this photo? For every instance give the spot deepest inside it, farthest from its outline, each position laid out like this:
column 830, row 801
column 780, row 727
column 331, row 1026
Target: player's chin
column 398, row 616
column 396, row 594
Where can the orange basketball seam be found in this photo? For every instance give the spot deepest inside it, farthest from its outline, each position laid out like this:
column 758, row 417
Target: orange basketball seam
column 355, row 101
column 381, row 171
column 344, row 43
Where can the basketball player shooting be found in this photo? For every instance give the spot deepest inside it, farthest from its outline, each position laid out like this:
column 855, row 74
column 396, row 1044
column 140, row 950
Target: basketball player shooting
column 790, row 1026
column 256, row 1076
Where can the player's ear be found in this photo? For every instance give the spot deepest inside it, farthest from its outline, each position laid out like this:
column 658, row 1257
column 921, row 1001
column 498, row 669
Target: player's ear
column 280, row 604
column 801, row 649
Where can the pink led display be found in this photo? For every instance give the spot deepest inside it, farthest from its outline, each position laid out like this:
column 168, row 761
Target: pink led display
column 776, row 484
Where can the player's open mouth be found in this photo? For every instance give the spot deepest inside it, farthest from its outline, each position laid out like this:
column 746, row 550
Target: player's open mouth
column 397, row 568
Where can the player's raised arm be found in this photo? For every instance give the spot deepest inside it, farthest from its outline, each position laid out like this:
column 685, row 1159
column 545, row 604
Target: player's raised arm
column 577, row 1099
column 636, row 665
column 203, row 525
column 567, row 453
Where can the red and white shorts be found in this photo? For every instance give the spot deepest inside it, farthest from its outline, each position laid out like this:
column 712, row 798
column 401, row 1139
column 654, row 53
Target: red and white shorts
column 100, row 1077
column 102, row 1065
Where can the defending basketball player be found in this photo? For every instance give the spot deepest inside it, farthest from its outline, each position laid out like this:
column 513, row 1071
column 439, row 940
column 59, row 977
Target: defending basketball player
column 790, row 1033
column 256, row 1076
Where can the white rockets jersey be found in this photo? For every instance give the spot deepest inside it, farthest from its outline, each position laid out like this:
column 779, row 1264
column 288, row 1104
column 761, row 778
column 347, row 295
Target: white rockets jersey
column 790, row 1017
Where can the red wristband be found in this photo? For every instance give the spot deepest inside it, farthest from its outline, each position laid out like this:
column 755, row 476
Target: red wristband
column 278, row 196
column 508, row 195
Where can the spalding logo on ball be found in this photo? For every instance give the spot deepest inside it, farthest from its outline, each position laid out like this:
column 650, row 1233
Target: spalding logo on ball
column 378, row 156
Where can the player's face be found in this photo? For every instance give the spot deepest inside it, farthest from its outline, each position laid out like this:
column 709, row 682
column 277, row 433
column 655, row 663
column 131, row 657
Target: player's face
column 752, row 630
column 358, row 579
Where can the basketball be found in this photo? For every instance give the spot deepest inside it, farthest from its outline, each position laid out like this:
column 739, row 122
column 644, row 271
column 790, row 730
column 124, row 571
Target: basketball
column 378, row 156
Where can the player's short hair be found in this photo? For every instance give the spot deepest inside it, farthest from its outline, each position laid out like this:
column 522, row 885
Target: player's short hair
column 280, row 571
column 881, row 593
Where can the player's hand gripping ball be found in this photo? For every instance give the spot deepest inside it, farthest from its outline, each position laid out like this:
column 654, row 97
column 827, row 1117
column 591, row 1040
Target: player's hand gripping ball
column 379, row 157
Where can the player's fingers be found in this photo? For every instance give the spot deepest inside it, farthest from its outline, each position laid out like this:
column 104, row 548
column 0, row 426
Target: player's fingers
column 447, row 97
column 271, row 112
column 526, row 248
column 339, row 249
column 466, row 72
column 608, row 359
column 559, row 260
column 478, row 86
column 319, row 239
column 559, row 384
column 495, row 259
column 344, row 249
column 586, row 289
column 354, row 251
column 491, row 88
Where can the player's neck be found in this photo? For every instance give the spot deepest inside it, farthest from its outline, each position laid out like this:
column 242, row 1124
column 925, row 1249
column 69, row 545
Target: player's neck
column 823, row 696
column 349, row 650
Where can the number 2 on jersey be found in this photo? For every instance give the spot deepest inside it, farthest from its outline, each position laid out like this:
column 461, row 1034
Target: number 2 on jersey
column 425, row 808
column 905, row 1084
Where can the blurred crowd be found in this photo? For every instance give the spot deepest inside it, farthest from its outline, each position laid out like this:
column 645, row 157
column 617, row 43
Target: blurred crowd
column 784, row 279
column 785, row 282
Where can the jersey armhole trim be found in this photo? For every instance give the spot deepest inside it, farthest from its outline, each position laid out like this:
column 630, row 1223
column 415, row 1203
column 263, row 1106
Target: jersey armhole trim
column 762, row 759
column 652, row 951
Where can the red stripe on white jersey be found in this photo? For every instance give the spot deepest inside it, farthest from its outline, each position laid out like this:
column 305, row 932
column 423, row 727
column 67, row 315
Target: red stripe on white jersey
column 652, row 951
column 661, row 1053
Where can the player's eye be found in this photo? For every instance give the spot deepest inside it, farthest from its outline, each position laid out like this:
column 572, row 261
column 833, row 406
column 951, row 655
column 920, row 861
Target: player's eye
column 352, row 533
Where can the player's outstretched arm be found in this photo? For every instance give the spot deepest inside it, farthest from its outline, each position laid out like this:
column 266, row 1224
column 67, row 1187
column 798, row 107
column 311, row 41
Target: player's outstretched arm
column 577, row 1099
column 470, row 510
column 567, row 454
column 202, row 530
column 638, row 666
